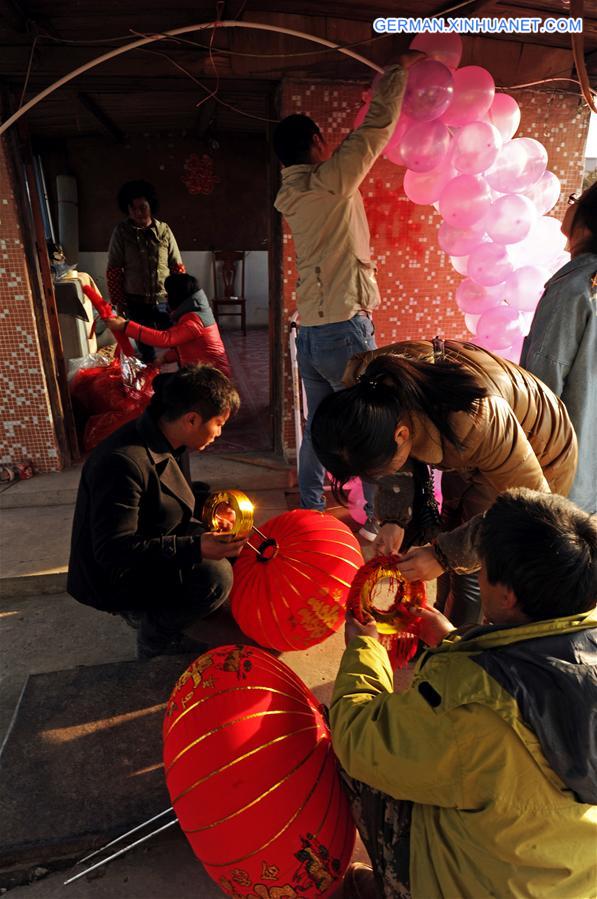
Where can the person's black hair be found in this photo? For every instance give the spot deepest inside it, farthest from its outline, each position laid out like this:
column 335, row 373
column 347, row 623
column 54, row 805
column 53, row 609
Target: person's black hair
column 353, row 430
column 293, row 137
column 194, row 388
column 179, row 287
column 132, row 190
column 586, row 213
column 543, row 548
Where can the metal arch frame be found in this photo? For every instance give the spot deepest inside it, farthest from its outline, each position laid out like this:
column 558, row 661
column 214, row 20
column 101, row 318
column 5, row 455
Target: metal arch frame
column 174, row 32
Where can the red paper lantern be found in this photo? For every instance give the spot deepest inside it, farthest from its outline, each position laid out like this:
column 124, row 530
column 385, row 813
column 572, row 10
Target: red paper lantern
column 380, row 590
column 292, row 594
column 253, row 779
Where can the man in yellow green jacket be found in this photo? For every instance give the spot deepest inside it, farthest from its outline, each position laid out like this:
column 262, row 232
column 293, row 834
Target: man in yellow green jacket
column 480, row 780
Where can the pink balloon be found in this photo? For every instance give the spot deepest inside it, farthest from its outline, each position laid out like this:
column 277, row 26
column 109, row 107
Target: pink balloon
column 504, row 113
column 557, row 262
column 498, row 328
column 465, row 200
column 445, row 48
column 544, row 243
column 402, row 125
column 471, row 322
column 489, row 264
column 545, row 193
column 424, row 146
column 458, row 241
column 513, row 353
column 510, row 218
column 524, row 287
column 474, row 90
column 474, row 299
column 426, row 187
column 429, row 90
column 475, row 147
column 459, row 264
column 518, row 165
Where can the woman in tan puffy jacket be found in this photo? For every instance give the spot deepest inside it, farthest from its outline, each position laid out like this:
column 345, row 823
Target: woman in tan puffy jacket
column 484, row 422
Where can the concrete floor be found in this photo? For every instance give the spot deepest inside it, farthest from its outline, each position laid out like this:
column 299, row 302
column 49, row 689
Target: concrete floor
column 42, row 629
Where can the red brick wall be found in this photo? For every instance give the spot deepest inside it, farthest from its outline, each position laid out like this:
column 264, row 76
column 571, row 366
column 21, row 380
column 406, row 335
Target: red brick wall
column 416, row 279
column 26, row 427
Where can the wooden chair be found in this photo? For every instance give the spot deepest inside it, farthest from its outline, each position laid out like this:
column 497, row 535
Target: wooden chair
column 225, row 267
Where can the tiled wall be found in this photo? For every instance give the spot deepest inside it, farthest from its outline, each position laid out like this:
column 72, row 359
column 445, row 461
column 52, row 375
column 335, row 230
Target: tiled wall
column 26, row 428
column 416, row 279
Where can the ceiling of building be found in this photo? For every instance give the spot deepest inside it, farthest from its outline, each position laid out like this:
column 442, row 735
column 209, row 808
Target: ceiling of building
column 225, row 80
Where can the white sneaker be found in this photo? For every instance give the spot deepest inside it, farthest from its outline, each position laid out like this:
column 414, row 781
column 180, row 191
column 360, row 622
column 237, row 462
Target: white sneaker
column 370, row 530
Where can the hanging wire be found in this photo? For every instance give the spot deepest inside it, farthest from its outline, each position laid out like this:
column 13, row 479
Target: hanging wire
column 211, row 93
column 29, row 64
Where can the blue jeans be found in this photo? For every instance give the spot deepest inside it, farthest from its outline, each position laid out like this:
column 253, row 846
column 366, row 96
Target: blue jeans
column 323, row 351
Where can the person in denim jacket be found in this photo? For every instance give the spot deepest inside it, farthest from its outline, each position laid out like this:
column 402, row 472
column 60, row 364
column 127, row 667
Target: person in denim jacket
column 561, row 347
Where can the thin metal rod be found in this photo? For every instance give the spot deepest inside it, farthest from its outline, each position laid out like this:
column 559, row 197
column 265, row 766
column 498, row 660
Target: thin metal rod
column 250, row 545
column 124, row 835
column 261, row 534
column 120, row 852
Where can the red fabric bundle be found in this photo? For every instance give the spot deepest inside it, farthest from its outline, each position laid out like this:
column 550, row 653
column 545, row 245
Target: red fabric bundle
column 111, row 397
column 397, row 623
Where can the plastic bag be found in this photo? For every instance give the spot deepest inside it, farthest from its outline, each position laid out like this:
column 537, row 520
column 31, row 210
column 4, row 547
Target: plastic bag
column 111, row 395
column 91, row 360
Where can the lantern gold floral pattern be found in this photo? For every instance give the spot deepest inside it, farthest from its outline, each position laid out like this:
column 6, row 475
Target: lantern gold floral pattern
column 294, row 594
column 253, row 779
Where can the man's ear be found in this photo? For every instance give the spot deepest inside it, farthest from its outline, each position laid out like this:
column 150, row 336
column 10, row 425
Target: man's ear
column 192, row 418
column 508, row 598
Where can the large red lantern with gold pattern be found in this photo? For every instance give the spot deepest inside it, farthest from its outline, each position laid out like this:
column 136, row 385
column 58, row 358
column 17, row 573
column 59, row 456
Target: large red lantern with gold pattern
column 290, row 589
column 253, row 779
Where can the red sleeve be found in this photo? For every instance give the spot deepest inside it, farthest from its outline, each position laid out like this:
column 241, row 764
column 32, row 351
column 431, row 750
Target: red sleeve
column 177, row 268
column 174, row 336
column 115, row 279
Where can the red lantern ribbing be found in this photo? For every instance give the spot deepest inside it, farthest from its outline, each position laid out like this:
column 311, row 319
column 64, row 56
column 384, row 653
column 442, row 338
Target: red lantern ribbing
column 253, row 779
column 292, row 593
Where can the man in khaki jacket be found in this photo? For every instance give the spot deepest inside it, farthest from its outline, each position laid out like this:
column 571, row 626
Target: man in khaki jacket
column 336, row 290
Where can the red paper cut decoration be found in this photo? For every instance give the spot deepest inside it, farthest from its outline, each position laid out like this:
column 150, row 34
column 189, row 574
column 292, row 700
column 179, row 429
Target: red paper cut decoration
column 199, row 177
column 380, row 589
column 253, row 779
column 293, row 595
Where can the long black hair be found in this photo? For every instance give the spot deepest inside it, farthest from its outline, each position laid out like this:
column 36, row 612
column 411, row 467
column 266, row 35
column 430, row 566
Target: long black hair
column 353, row 430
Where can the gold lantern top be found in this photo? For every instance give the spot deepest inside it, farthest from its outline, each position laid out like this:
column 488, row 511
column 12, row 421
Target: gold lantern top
column 229, row 514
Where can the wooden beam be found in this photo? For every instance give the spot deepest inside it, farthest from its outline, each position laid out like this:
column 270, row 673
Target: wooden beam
column 103, row 118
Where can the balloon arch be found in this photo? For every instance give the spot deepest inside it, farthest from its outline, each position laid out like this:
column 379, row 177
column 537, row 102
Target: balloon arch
column 455, row 136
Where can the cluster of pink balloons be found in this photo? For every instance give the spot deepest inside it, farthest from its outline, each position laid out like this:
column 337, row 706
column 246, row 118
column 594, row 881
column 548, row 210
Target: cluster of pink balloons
column 455, row 136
